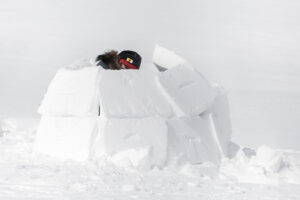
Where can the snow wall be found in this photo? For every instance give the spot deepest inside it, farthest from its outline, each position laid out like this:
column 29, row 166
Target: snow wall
column 141, row 118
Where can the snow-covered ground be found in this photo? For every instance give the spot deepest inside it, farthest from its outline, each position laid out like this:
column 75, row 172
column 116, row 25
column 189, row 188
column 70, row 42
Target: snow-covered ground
column 27, row 175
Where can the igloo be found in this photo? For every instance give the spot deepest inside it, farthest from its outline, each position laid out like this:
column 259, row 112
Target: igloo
column 162, row 114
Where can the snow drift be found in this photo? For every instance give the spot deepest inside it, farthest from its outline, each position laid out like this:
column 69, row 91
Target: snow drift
column 263, row 166
column 140, row 118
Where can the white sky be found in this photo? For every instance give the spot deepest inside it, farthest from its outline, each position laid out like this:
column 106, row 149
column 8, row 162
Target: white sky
column 251, row 47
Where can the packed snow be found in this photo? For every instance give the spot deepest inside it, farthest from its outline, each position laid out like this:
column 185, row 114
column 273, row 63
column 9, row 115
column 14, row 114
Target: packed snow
column 28, row 175
column 72, row 93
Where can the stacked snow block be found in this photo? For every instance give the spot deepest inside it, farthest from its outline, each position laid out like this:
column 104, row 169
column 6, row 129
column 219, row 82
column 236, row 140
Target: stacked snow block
column 132, row 94
column 201, row 129
column 132, row 128
column 72, row 93
column 66, row 137
column 141, row 143
column 147, row 117
column 202, row 122
column 69, row 114
column 186, row 109
column 188, row 89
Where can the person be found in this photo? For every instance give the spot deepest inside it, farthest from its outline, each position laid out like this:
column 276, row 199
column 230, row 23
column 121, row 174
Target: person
column 109, row 60
column 124, row 60
column 129, row 60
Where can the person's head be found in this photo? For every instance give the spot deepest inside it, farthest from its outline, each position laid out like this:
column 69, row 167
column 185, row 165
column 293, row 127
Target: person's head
column 110, row 59
column 129, row 60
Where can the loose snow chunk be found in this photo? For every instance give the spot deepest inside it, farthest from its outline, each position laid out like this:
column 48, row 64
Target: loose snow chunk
column 132, row 157
column 72, row 93
column 131, row 94
column 139, row 142
column 190, row 91
column 66, row 137
column 166, row 58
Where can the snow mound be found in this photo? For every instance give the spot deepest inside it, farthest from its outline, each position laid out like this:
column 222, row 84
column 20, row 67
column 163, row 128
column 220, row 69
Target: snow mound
column 140, row 118
column 265, row 166
column 13, row 125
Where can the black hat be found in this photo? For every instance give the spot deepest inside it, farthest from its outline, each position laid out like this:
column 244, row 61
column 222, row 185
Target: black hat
column 131, row 59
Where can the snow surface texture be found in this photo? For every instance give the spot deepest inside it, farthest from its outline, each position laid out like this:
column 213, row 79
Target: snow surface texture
column 147, row 118
column 72, row 93
column 266, row 165
column 66, row 137
column 27, row 175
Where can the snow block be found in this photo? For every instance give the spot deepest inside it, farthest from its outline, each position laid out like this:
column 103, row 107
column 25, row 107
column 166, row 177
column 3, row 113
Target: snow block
column 190, row 140
column 140, row 142
column 131, row 94
column 188, row 88
column 66, row 137
column 72, row 93
column 165, row 58
column 220, row 119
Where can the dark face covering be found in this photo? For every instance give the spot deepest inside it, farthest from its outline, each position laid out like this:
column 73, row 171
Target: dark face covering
column 103, row 65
